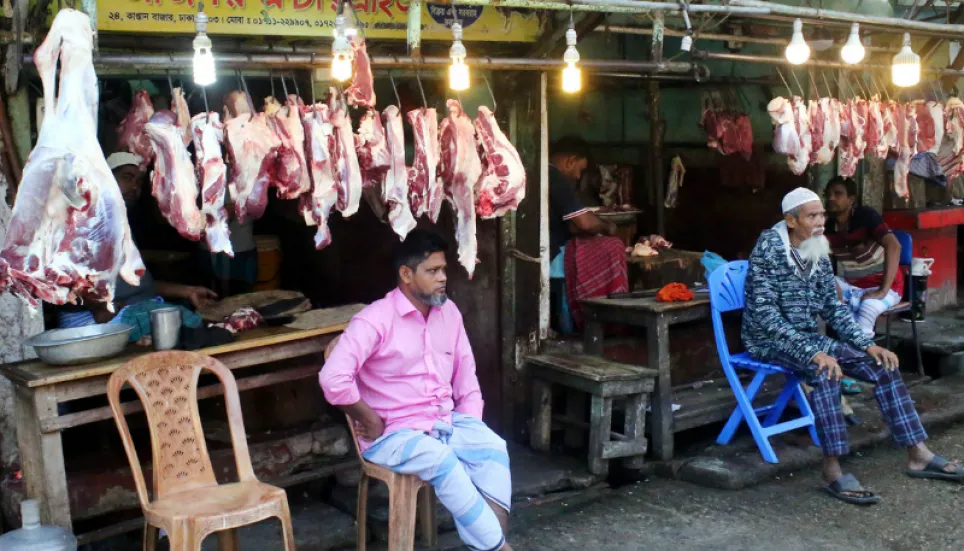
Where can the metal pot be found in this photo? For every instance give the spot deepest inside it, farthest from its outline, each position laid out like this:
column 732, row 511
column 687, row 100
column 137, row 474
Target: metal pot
column 79, row 345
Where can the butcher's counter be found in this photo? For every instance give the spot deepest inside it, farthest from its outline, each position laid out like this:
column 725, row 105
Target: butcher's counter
column 40, row 388
column 934, row 232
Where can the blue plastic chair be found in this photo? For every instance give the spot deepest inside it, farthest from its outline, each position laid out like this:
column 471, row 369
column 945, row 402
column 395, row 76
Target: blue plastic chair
column 906, row 259
column 727, row 295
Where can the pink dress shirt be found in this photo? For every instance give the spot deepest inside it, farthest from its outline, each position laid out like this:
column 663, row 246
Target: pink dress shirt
column 411, row 370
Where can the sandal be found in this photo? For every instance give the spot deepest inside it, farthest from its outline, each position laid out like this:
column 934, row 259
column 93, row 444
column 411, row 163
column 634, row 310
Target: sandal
column 849, row 386
column 936, row 470
column 846, row 488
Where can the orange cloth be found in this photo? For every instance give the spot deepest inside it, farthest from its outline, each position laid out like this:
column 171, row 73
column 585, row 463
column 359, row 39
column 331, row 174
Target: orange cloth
column 674, row 292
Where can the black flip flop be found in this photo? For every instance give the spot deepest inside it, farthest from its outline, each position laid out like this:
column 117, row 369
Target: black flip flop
column 935, row 470
column 848, row 483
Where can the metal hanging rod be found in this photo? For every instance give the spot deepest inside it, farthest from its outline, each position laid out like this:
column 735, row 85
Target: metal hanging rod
column 780, row 61
column 647, row 31
column 942, row 29
column 612, row 6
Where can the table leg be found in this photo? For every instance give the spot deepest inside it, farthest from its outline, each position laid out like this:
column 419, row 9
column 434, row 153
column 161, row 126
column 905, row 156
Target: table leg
column 541, row 430
column 600, row 431
column 42, row 456
column 635, row 426
column 657, row 337
column 575, row 411
column 592, row 336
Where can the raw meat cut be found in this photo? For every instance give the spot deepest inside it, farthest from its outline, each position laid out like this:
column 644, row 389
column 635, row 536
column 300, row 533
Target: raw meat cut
column 906, row 117
column 316, row 206
column 801, row 123
column 890, row 142
column 361, row 93
column 853, row 121
column 825, row 121
column 348, row 178
column 208, row 133
column 676, row 173
column 250, row 143
column 243, row 319
column 459, row 170
column 503, row 183
column 68, row 238
column 374, row 158
column 785, row 137
column 424, row 194
column 130, row 133
column 954, row 124
column 174, row 184
column 930, row 125
column 290, row 171
column 874, row 132
column 179, row 106
column 395, row 184
column 728, row 132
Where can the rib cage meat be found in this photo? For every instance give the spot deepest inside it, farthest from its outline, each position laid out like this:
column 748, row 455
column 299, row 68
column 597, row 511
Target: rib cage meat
column 503, row 183
column 174, row 184
column 459, row 170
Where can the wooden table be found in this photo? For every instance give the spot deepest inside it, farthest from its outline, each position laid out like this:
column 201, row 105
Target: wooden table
column 656, row 317
column 39, row 388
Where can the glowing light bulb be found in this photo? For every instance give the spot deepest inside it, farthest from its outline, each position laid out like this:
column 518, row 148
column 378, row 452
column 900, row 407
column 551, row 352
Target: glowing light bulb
column 853, row 51
column 204, row 72
column 458, row 71
column 571, row 75
column 797, row 51
column 905, row 70
column 341, row 52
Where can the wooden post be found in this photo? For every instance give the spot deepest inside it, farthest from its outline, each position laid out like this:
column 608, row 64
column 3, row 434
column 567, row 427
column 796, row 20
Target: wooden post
column 544, row 206
column 657, row 341
column 655, row 125
column 507, row 296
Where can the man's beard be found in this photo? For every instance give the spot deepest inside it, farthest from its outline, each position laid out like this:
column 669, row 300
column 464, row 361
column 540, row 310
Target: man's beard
column 816, row 248
column 433, row 299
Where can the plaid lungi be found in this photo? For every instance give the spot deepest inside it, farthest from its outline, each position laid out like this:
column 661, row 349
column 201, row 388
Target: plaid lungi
column 595, row 267
column 895, row 403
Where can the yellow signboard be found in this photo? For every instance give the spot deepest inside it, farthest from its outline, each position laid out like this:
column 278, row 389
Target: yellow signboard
column 309, row 18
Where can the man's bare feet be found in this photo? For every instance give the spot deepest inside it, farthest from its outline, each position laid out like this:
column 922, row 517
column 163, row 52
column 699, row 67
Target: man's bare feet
column 919, row 456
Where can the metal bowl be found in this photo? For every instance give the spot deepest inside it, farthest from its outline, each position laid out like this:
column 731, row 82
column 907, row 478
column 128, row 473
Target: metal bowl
column 79, row 345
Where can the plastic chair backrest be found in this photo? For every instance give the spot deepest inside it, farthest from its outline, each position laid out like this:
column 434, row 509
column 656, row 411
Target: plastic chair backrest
column 906, row 247
column 726, row 295
column 166, row 383
column 351, row 424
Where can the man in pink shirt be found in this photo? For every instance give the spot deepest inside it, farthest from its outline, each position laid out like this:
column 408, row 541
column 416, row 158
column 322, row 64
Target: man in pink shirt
column 404, row 373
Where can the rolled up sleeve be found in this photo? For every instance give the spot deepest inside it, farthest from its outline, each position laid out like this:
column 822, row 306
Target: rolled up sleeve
column 338, row 376
column 465, row 384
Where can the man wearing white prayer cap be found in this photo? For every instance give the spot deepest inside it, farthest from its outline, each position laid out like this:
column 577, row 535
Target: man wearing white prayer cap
column 790, row 282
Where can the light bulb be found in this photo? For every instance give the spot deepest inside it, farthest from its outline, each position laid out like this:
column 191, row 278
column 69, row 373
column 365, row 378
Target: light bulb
column 571, row 75
column 341, row 52
column 458, row 71
column 797, row 50
column 853, row 51
column 204, row 72
column 905, row 70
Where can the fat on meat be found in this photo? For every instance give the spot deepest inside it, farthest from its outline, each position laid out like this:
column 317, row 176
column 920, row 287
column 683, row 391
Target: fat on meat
column 801, row 122
column 130, row 133
column 825, row 121
column 374, row 158
column 207, row 131
column 290, row 171
column 250, row 145
column 395, row 184
column 930, row 126
column 424, row 193
column 361, row 93
column 459, row 170
column 954, row 124
column 888, row 112
column 785, row 137
column 316, row 206
column 174, row 183
column 68, row 238
column 348, row 177
column 503, row 183
column 874, row 132
column 179, row 106
column 906, row 116
column 852, row 144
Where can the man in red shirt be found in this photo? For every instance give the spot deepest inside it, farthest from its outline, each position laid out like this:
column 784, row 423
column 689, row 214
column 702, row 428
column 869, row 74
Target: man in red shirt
column 866, row 252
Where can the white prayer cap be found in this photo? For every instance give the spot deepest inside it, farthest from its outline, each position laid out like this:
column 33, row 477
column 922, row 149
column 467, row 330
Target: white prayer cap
column 123, row 158
column 797, row 197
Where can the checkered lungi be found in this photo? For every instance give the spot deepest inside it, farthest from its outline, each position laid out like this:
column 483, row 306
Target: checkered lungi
column 895, row 403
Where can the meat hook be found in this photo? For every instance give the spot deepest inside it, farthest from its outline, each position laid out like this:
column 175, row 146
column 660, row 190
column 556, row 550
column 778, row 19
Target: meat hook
column 826, row 83
column 271, row 80
column 860, row 84
column 294, row 81
column 284, row 88
column 207, row 110
column 785, row 83
column 247, row 95
column 795, row 79
column 491, row 95
column 395, row 89
column 418, row 79
column 170, row 84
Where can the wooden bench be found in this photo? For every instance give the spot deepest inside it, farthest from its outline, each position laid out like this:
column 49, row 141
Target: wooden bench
column 604, row 381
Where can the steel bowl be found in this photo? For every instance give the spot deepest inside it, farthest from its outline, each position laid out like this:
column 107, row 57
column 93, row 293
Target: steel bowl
column 79, row 345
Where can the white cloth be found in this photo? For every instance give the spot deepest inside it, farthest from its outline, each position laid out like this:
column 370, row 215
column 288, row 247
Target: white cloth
column 797, row 197
column 123, row 158
column 866, row 311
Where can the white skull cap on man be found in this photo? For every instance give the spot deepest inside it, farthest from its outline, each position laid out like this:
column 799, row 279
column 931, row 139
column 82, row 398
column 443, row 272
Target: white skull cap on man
column 798, row 197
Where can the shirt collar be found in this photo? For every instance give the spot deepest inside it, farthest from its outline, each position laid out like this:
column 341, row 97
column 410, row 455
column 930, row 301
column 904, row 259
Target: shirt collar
column 403, row 306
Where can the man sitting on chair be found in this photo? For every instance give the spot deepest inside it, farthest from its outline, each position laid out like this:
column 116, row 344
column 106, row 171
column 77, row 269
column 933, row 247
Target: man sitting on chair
column 404, row 373
column 790, row 282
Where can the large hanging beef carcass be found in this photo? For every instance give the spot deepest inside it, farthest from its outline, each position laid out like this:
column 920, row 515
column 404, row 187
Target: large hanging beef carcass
column 68, row 239
column 503, row 183
column 424, row 193
column 316, row 206
column 395, row 184
column 130, row 133
column 459, row 170
column 208, row 133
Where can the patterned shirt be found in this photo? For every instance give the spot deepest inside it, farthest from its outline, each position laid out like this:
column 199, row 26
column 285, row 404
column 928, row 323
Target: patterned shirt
column 782, row 305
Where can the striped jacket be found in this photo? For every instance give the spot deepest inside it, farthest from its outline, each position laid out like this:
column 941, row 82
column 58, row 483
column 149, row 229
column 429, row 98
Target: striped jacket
column 782, row 305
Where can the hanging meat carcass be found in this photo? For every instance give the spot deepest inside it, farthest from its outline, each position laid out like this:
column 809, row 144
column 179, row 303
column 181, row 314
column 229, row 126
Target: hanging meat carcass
column 250, row 142
column 930, row 125
column 290, row 173
column 344, row 159
column 503, row 183
column 853, row 121
column 208, row 134
column 825, row 122
column 179, row 106
column 785, row 138
column 906, row 117
column 374, row 160
column 954, row 124
column 130, row 133
column 874, row 131
column 174, row 183
column 801, row 123
column 459, row 171
column 888, row 110
column 361, row 93
column 424, row 192
column 68, row 238
column 728, row 132
column 395, row 185
column 316, row 206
